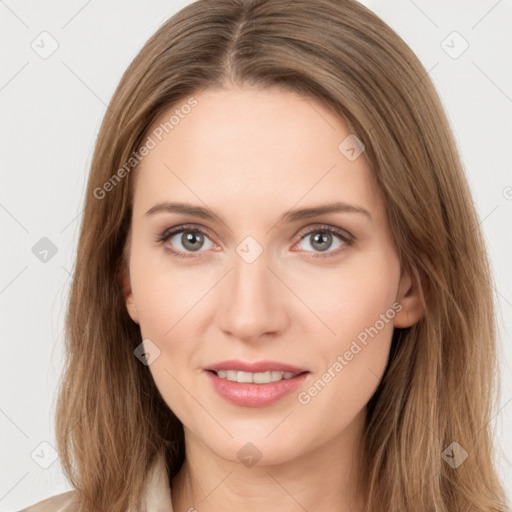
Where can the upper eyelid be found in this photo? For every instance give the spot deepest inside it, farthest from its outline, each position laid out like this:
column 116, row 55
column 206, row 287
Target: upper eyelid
column 320, row 226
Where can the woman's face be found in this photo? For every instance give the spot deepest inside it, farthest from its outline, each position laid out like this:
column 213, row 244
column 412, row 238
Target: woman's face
column 257, row 281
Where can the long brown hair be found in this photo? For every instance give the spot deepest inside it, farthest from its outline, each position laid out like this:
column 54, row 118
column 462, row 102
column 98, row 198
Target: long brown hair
column 441, row 382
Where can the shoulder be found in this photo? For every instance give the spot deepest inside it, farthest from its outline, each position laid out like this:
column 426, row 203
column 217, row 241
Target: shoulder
column 65, row 502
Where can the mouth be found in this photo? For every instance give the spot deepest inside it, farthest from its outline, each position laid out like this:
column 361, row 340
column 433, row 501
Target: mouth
column 255, row 384
column 255, row 377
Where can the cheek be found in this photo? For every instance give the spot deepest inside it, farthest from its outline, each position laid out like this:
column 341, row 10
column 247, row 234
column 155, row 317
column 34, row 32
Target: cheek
column 353, row 296
column 168, row 302
column 166, row 294
column 358, row 305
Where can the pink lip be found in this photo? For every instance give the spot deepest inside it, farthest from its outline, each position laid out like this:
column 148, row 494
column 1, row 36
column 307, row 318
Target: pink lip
column 259, row 366
column 255, row 395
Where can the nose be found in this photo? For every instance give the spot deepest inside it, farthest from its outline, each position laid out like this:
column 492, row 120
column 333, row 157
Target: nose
column 253, row 302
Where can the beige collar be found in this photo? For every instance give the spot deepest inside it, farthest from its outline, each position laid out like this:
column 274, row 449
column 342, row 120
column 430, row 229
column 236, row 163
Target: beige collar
column 157, row 494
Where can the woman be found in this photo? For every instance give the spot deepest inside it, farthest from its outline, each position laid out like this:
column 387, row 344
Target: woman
column 282, row 298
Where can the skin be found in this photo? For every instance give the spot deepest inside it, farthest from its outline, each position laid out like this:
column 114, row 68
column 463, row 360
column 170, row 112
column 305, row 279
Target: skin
column 252, row 155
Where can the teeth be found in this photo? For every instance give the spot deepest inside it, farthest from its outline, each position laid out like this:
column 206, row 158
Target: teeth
column 257, row 378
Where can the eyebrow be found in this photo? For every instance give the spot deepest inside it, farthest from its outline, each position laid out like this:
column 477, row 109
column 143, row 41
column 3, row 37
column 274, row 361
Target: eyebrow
column 290, row 216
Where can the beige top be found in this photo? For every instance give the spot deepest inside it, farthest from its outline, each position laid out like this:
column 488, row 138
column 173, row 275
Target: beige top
column 157, row 494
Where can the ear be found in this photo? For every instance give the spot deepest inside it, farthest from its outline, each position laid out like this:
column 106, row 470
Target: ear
column 124, row 282
column 409, row 297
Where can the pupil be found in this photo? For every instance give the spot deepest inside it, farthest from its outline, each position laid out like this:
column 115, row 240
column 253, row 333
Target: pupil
column 321, row 238
column 192, row 238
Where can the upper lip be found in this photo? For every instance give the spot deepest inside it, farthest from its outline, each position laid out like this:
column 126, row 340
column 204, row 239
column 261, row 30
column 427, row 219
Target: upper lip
column 258, row 366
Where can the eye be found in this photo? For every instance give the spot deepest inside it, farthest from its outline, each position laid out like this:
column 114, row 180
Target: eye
column 323, row 238
column 187, row 239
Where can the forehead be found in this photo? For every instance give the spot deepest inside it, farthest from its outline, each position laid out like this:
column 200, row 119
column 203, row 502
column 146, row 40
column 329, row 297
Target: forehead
column 242, row 149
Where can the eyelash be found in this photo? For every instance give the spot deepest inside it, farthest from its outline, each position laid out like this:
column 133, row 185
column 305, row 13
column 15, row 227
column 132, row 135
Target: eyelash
column 346, row 237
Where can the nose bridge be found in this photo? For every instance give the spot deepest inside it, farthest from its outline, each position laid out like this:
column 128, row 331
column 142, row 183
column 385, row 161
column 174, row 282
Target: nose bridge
column 252, row 305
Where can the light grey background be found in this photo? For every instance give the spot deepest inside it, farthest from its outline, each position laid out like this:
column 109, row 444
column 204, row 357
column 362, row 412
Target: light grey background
column 51, row 110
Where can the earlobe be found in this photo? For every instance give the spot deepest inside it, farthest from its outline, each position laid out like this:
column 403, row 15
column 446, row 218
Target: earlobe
column 124, row 282
column 409, row 297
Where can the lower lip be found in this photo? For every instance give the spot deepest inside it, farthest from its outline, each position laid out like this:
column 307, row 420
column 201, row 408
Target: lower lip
column 255, row 395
